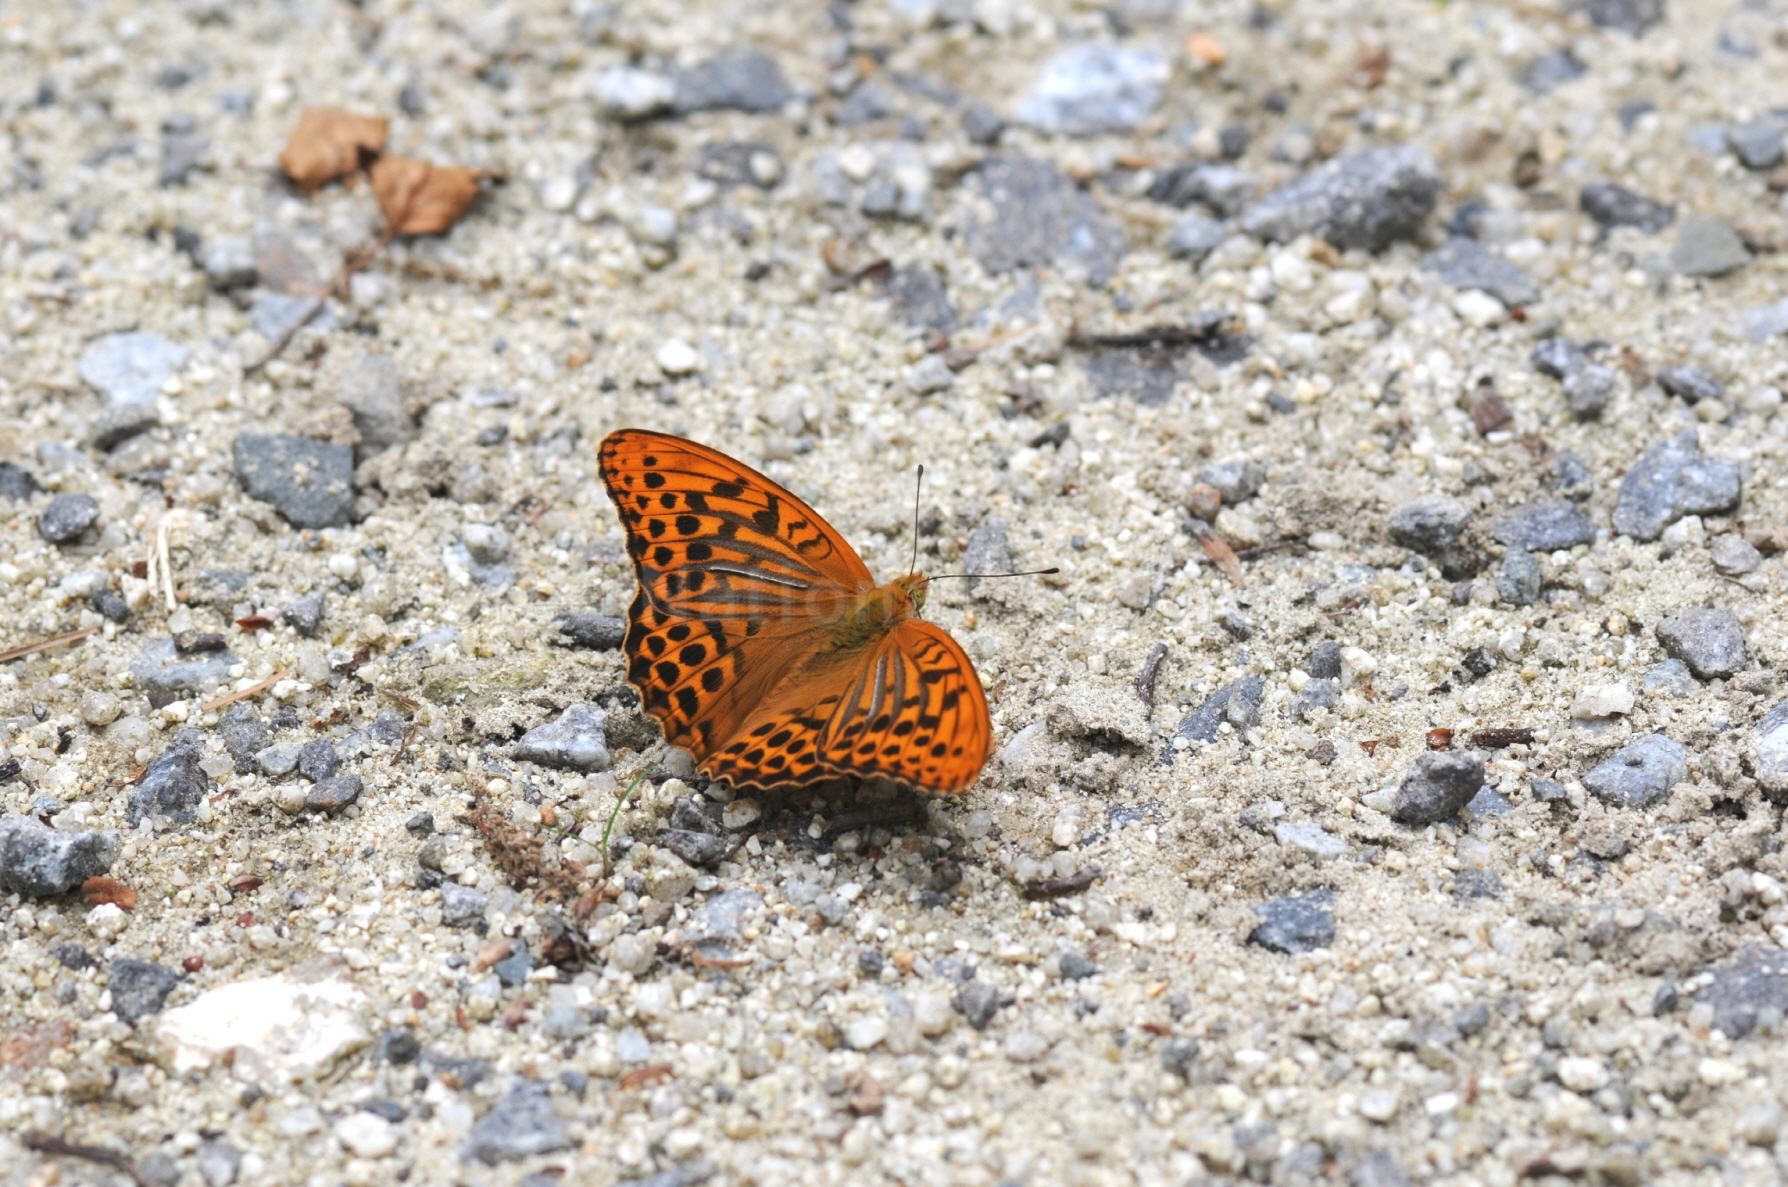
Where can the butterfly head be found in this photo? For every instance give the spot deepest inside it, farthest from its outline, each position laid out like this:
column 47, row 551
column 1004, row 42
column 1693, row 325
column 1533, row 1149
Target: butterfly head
column 911, row 590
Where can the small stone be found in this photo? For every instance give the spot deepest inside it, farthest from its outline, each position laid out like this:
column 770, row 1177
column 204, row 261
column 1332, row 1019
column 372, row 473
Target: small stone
column 318, row 760
column 1761, row 1124
column 487, row 544
column 565, row 1023
column 131, row 368
column 1734, row 555
column 1690, row 384
column 1089, row 89
column 244, row 736
column 99, row 707
column 741, row 813
column 1552, row 525
column 1315, row 843
column 109, row 604
column 1710, row 642
column 161, row 666
column 1767, row 321
column 1633, row 17
column 1708, row 247
column 978, row 1001
column 1437, row 786
column 738, row 79
column 1194, row 237
column 1552, row 70
column 1225, row 189
column 918, row 294
column 309, row 482
column 522, row 1124
column 1480, row 309
column 1754, row 983
column 677, row 357
column 653, row 226
column 1472, row 1019
column 1640, row 773
column 1558, row 357
column 1467, row 264
column 589, row 630
column 626, row 93
column 16, row 482
column 1581, row 1074
column 1588, row 389
column 118, row 423
column 1040, row 218
column 371, row 388
column 41, row 862
column 174, row 785
column 333, row 794
column 219, row 1162
column 982, row 124
column 932, row 1013
column 1237, row 480
column 1262, row 816
column 1379, row 1105
column 139, row 987
column 1025, row 1046
column 1599, row 701
column 278, row 760
column 575, row 741
column 863, row 1033
column 1295, row 923
column 1757, row 143
column 305, row 615
column 67, row 517
column 229, row 262
column 366, row 1134
column 1236, row 704
column 1673, row 479
column 513, row 969
column 1518, row 578
column 988, row 550
column 631, row 954
column 1616, row 206
column 1670, row 678
column 929, row 376
column 1367, row 199
column 461, row 906
column 1435, row 526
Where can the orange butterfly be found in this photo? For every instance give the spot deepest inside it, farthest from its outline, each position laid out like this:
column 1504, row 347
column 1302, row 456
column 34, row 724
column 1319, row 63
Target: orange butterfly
column 763, row 646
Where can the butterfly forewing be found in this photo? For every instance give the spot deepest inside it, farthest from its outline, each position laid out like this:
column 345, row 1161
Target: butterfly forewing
column 735, row 573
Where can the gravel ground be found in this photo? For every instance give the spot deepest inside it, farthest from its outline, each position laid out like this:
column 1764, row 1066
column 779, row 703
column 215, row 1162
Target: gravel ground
column 1436, row 839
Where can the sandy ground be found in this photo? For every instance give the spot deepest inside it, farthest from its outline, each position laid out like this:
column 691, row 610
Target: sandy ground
column 1138, row 951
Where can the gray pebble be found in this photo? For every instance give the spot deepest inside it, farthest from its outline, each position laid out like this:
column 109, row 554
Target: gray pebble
column 699, row 849
column 575, row 741
column 16, row 482
column 1766, row 321
column 919, row 296
column 1076, row 967
column 1316, row 843
column 182, row 153
column 1549, row 791
column 318, row 760
column 1468, row 264
column 229, row 262
column 67, row 517
column 277, row 760
column 1237, row 480
column 522, row 1124
column 1588, row 389
column 1772, row 748
column 244, row 735
column 1262, row 815
column 978, row 1002
column 1710, row 642
column 1552, row 70
column 40, row 862
column 139, row 987
column 1324, row 661
column 627, row 93
column 219, row 1162
column 1734, row 555
column 1488, row 804
column 1611, row 205
column 589, row 630
column 1472, row 1019
column 159, row 1168
column 1707, row 247
column 1378, row 1168
column 332, row 795
column 565, row 1022
column 276, row 315
column 305, row 614
column 513, row 969
column 1085, row 90
column 1438, row 784
column 1689, row 384
column 1757, row 143
column 372, row 389
column 1295, row 144
column 1558, row 357
column 162, row 666
column 487, row 544
column 1369, row 199
column 1295, row 923
column 1041, row 218
column 929, row 376
column 1237, row 627
column 982, row 124
column 1547, row 526
column 1225, row 189
column 432, row 854
column 1194, row 237
column 738, row 80
column 1237, row 703
column 131, row 367
column 1671, row 480
column 1435, row 526
column 1755, row 982
column 1518, row 578
column 988, row 550
column 1670, row 678
column 755, row 163
column 309, row 482
column 1640, row 773
column 174, row 785
column 1628, row 16
column 118, row 423
column 461, row 906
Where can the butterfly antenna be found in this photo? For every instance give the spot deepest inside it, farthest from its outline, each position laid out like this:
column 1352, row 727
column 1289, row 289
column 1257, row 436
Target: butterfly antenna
column 917, row 483
column 984, row 576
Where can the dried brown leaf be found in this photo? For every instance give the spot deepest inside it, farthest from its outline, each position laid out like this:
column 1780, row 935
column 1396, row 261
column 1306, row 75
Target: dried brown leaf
column 328, row 144
column 101, row 890
column 421, row 197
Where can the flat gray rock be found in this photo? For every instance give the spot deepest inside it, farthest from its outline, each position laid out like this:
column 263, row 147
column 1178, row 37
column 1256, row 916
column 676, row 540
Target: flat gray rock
column 1551, row 525
column 1772, row 748
column 1673, row 479
column 1755, row 981
column 372, row 390
column 575, row 741
column 1467, row 264
column 309, row 482
column 1237, row 703
column 161, row 666
column 173, row 786
column 131, row 368
column 40, row 862
column 461, row 906
column 1710, row 642
column 1088, row 89
column 1641, row 773
column 738, row 79
column 1708, row 247
column 1437, row 786
column 1295, row 923
column 522, row 1124
column 1041, row 218
column 139, row 988
column 1435, row 526
column 1368, row 199
column 67, row 518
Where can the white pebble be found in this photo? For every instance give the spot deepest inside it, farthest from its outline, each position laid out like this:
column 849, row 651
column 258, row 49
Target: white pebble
column 1602, row 700
column 1026, row 1046
column 366, row 1135
column 1581, row 1074
column 107, row 921
column 1379, row 1105
column 1067, row 826
column 1717, row 1073
column 932, row 1012
column 1356, row 665
column 631, row 954
column 864, row 1033
column 677, row 357
column 1478, row 308
column 1761, row 1124
column 741, row 812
